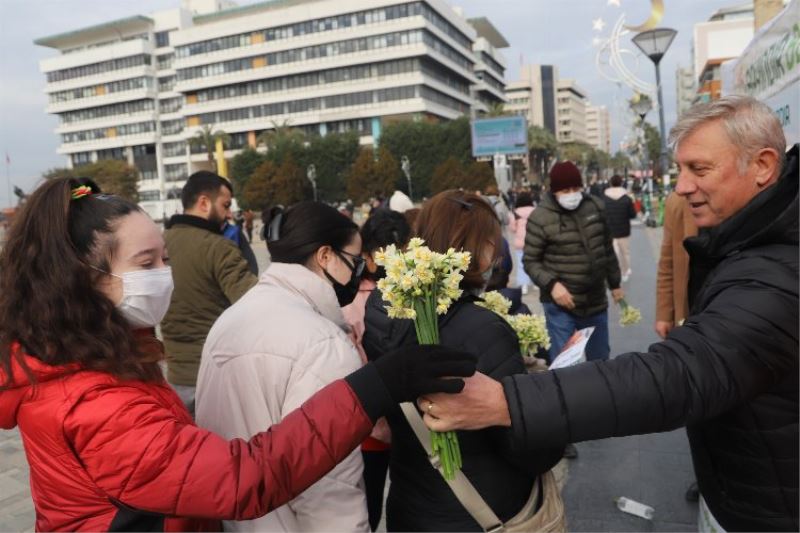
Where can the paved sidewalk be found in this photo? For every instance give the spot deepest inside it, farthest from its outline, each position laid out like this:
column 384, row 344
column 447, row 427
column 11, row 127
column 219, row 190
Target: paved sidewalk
column 653, row 469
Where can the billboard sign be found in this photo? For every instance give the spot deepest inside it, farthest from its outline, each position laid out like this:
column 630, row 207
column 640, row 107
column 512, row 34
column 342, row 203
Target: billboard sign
column 769, row 69
column 499, row 136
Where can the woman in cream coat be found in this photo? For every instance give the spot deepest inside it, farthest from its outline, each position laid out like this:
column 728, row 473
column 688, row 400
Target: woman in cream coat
column 279, row 344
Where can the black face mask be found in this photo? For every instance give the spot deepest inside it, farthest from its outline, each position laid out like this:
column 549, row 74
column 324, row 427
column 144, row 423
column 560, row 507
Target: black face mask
column 345, row 294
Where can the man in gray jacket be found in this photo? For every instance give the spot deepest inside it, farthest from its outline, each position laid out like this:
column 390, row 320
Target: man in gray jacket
column 569, row 255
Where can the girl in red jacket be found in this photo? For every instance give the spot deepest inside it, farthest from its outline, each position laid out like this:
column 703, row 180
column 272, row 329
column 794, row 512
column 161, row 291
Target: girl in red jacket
column 83, row 281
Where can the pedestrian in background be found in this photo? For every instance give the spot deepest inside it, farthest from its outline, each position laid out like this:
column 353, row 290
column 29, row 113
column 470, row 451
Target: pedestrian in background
column 110, row 446
column 382, row 228
column 518, row 225
column 210, row 274
column 234, row 233
column 619, row 213
column 570, row 257
column 672, row 281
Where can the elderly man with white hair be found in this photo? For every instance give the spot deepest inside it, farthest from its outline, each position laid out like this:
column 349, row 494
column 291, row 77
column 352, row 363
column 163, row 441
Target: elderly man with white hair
column 729, row 374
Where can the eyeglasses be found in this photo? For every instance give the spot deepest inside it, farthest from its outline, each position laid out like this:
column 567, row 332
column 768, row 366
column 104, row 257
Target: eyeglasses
column 357, row 267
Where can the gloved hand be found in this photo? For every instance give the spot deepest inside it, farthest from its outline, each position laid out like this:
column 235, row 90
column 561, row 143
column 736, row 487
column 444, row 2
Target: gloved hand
column 411, row 371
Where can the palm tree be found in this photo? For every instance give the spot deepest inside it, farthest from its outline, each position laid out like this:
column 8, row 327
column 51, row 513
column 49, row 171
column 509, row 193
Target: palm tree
column 280, row 135
column 496, row 109
column 543, row 147
column 207, row 138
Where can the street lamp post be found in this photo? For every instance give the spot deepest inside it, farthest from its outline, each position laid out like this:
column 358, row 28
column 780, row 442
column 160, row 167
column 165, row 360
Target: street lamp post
column 405, row 164
column 311, row 174
column 654, row 44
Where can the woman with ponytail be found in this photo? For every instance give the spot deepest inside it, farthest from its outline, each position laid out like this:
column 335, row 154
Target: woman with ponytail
column 83, row 281
column 282, row 342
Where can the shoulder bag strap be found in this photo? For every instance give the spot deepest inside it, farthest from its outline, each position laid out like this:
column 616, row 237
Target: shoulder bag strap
column 463, row 489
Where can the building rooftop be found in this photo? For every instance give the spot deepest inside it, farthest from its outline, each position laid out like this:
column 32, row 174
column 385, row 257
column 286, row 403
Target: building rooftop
column 258, row 7
column 488, row 31
column 739, row 10
column 76, row 37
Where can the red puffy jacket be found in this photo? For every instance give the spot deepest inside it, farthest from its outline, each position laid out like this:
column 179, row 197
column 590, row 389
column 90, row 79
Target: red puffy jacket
column 106, row 454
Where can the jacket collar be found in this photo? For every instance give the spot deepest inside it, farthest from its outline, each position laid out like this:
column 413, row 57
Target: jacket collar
column 194, row 221
column 302, row 282
column 770, row 218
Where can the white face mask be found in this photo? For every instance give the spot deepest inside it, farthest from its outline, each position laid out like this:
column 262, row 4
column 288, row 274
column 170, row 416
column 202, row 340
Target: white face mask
column 570, row 201
column 145, row 296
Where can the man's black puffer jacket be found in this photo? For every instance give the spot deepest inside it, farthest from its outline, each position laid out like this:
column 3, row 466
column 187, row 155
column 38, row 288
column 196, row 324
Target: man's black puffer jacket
column 419, row 499
column 730, row 373
column 574, row 248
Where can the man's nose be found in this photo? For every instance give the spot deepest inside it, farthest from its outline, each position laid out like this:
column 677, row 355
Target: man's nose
column 685, row 185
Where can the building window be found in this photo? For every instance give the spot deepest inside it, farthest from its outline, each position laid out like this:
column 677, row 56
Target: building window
column 98, row 68
column 175, row 172
column 162, row 39
column 170, row 105
column 359, row 18
column 338, row 48
column 149, row 196
column 102, row 89
column 92, row 113
column 166, row 84
column 105, row 133
column 81, row 158
column 172, row 127
column 164, row 62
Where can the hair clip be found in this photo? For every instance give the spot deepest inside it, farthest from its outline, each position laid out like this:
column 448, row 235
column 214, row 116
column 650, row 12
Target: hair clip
column 80, row 192
column 274, row 229
column 463, row 203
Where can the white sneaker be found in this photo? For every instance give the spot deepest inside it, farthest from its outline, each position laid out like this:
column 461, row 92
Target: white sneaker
column 628, row 273
column 625, row 278
column 525, row 289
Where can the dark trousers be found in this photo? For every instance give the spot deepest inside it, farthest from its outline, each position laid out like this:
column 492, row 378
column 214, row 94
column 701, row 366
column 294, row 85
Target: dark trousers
column 376, row 464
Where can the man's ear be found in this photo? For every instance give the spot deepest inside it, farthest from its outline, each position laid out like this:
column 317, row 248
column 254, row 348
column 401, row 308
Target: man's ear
column 767, row 163
column 203, row 204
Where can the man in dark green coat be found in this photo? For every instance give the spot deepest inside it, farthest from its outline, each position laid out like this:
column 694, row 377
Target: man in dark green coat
column 210, row 274
column 569, row 255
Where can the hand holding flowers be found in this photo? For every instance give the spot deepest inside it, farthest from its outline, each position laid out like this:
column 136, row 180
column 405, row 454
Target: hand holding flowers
column 419, row 285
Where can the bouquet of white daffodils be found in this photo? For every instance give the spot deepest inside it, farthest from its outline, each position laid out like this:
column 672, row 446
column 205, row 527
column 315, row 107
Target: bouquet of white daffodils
column 496, row 302
column 419, row 285
column 532, row 333
column 531, row 330
column 630, row 315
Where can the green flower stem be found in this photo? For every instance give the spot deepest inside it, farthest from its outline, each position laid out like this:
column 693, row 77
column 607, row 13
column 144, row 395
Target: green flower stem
column 445, row 445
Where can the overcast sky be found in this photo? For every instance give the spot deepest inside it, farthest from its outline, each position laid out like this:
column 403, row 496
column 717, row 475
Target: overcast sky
column 558, row 32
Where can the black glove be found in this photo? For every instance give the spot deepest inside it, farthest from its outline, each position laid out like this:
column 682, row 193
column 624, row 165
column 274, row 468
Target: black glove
column 411, row 371
column 406, row 373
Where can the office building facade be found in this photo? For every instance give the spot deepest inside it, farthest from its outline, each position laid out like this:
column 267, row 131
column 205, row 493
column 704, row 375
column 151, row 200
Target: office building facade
column 723, row 37
column 572, row 102
column 138, row 88
column 534, row 96
column 598, row 127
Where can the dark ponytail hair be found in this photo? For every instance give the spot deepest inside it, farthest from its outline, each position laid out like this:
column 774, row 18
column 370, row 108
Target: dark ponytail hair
column 49, row 297
column 294, row 234
column 385, row 227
